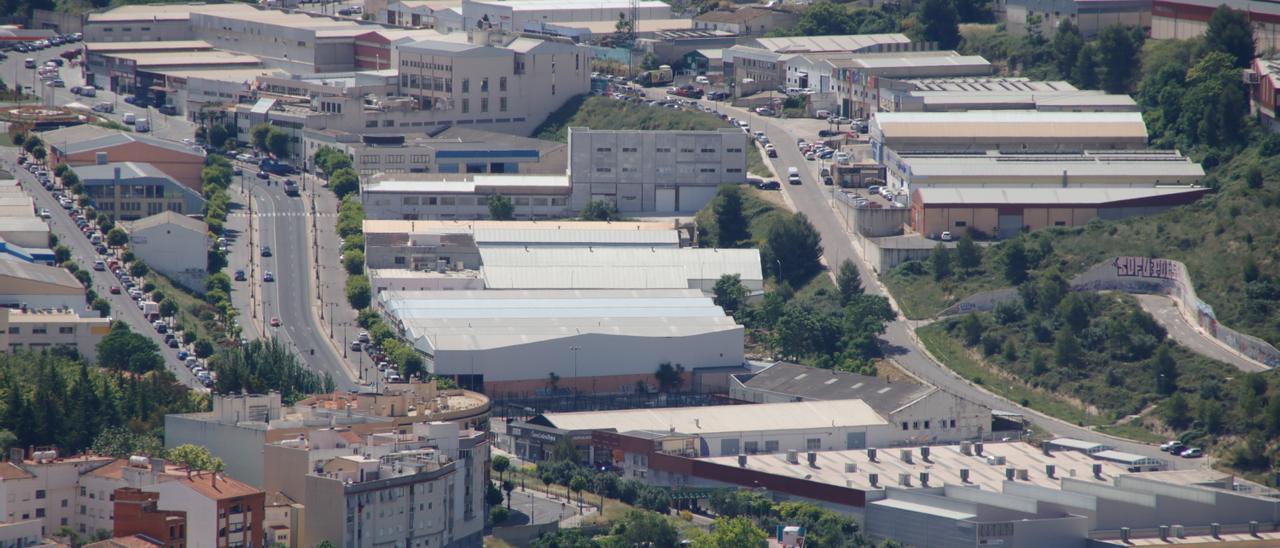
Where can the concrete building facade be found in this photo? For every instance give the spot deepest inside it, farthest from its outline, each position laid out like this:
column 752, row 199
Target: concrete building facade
column 172, row 244
column 128, row 191
column 1089, row 16
column 37, row 330
column 426, row 197
column 523, row 14
column 745, row 21
column 661, row 171
column 1182, row 19
column 39, row 287
column 220, row 511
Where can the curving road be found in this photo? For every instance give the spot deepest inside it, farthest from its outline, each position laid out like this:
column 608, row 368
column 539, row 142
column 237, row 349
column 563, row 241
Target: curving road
column 1167, row 314
column 899, row 341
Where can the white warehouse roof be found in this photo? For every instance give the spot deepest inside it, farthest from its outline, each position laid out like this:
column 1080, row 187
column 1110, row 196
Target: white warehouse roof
column 613, row 267
column 477, row 320
column 571, row 236
column 714, row 419
column 994, row 124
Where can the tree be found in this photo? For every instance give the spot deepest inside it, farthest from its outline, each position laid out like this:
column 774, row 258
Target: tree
column 508, row 486
column 500, row 208
column 358, row 292
column 968, row 256
column 117, row 237
column 1253, row 177
column 499, row 514
column 1211, row 416
column 258, row 136
column 1085, row 72
column 730, row 294
column 1165, row 371
column 353, row 261
column 168, row 308
column 578, row 484
column 1067, row 43
column 138, row 269
column 1118, row 56
column 1231, row 32
column 203, row 348
column 640, row 528
column 848, row 281
column 194, row 458
column 939, row 23
column 940, row 262
column 599, row 210
column 731, row 503
column 500, row 464
column 670, row 378
column 61, row 254
column 971, row 326
column 795, row 247
column 737, row 532
column 1015, row 262
column 492, row 495
column 278, row 143
column 101, row 306
column 218, row 136
column 1066, row 349
column 649, row 61
column 123, row 350
column 731, row 224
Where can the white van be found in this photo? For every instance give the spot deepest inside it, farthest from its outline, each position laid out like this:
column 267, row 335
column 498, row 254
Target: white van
column 702, row 80
column 793, row 175
column 89, row 91
column 130, row 118
column 822, row 114
column 142, row 125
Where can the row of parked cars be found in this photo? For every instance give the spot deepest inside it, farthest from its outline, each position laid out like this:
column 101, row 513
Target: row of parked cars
column 387, row 369
column 26, row 47
column 1175, row 447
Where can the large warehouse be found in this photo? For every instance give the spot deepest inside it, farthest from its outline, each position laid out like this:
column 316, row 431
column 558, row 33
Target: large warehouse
column 604, row 341
column 896, row 133
column 1006, row 212
column 617, row 267
column 717, row 430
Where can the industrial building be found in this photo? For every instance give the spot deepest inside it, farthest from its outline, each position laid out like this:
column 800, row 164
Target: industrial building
column 172, row 244
column 1183, row 19
column 1090, row 16
column 893, row 134
column 711, row 431
column 456, row 150
column 762, row 63
column 631, row 267
column 455, row 245
column 1087, row 168
column 1263, row 81
column 128, row 191
column 996, row 93
column 519, row 15
column 546, row 341
column 660, row 171
column 414, row 197
column 746, row 20
column 39, row 287
column 87, row 144
column 919, row 413
column 858, row 79
column 1007, row 212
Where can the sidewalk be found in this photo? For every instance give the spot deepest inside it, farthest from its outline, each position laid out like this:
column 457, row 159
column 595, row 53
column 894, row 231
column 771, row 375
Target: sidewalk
column 331, row 311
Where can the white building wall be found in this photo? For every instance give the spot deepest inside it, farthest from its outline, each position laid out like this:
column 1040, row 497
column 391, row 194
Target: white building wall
column 98, row 508
column 174, row 251
column 202, row 511
column 599, row 355
column 509, row 17
column 240, row 448
column 417, row 206
column 929, row 420
column 800, row 440
column 631, row 169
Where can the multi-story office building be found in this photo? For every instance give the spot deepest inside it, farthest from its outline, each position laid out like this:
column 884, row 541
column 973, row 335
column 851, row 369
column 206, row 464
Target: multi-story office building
column 483, row 79
column 128, row 191
column 423, row 487
column 663, row 171
column 36, row 330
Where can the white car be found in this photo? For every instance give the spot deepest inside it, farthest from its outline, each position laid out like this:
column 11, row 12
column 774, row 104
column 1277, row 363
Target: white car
column 946, row 236
column 44, row 213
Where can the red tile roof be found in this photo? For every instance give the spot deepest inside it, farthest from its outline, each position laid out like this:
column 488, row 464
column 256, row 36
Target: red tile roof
column 220, row 488
column 11, row 471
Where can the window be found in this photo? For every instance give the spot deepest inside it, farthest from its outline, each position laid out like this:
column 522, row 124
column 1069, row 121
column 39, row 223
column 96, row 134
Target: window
column 751, row 447
column 64, row 503
column 904, row 426
column 770, row 446
column 502, row 83
column 399, row 260
column 40, row 493
column 629, row 149
column 733, row 170
column 484, row 104
column 466, row 104
column 732, row 150
column 813, row 444
column 1059, row 223
column 708, row 150
column 65, row 330
column 39, row 331
column 466, row 85
column 502, row 104
column 664, row 150
column 604, row 170
column 371, row 123
column 14, row 330
column 953, row 423
column 915, row 425
column 388, row 123
column 604, row 149
column 926, row 425
column 686, row 150
column 39, row 512
column 484, row 85
column 961, row 224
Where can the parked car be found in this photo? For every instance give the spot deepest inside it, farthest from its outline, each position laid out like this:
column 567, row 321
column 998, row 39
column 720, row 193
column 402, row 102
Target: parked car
column 1193, row 453
column 240, row 277
column 266, row 251
column 946, row 236
column 1172, row 446
column 115, row 290
column 355, row 346
column 275, row 322
column 268, row 276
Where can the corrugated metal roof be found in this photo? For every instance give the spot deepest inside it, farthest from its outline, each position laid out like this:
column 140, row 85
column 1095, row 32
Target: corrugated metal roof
column 1006, row 124
column 128, row 170
column 502, row 236
column 926, row 509
column 1048, row 196
column 1165, row 167
column 844, row 42
column 571, row 277
column 38, row 273
column 725, row 418
column 697, row 264
column 444, row 226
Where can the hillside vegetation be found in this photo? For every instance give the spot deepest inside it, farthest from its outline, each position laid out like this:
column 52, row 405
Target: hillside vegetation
column 606, row 113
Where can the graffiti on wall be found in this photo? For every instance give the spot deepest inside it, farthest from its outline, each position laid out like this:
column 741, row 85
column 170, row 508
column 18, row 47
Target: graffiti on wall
column 1146, row 267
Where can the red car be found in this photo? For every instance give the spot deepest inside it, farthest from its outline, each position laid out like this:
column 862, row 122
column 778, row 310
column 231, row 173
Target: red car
column 275, row 322
column 114, row 290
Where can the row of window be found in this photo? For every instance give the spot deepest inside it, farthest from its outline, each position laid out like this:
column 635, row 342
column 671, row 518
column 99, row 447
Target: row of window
column 667, row 150
column 41, row 330
column 481, row 200
column 927, row 424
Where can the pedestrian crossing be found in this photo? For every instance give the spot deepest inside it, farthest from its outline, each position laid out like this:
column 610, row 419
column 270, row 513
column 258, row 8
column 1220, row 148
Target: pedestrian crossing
column 280, row 214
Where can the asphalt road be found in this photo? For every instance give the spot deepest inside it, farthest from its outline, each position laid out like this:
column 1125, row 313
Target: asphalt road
column 122, row 307
column 899, row 342
column 1168, row 316
column 282, row 224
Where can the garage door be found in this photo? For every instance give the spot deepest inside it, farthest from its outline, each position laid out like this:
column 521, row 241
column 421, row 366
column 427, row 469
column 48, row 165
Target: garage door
column 693, row 198
column 856, row 440
column 666, row 200
column 1010, row 225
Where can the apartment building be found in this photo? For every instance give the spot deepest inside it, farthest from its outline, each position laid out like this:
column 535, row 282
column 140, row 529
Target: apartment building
column 36, row 330
column 662, row 171
column 220, row 511
column 128, row 191
column 424, row 487
column 455, row 150
column 138, row 512
column 97, row 508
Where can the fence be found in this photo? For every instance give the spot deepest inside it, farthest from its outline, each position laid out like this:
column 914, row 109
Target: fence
column 1145, row 275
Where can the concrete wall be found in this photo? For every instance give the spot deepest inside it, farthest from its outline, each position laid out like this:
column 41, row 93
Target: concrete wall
column 241, row 449
column 178, row 253
column 325, row 514
column 628, row 167
column 136, row 31
column 939, row 409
